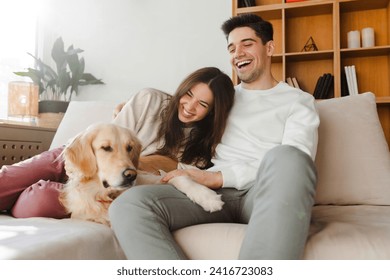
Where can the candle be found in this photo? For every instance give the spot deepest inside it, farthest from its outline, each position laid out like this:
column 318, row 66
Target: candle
column 354, row 39
column 368, row 37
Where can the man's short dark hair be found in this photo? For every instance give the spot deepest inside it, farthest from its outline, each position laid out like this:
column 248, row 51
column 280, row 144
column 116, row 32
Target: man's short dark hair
column 262, row 28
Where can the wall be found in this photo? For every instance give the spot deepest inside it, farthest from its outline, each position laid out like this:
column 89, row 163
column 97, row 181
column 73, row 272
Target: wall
column 132, row 44
column 17, row 33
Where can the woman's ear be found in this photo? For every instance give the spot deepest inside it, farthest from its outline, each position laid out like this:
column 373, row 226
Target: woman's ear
column 79, row 157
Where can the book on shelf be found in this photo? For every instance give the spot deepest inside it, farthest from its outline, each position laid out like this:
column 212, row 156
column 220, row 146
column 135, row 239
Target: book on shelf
column 328, row 91
column 295, row 82
column 246, row 3
column 292, row 82
column 354, row 79
column 289, row 81
column 324, row 88
column 344, row 85
column 350, row 74
column 319, row 84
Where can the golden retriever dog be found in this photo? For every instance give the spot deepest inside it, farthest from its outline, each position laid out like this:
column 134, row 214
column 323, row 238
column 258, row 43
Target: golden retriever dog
column 101, row 163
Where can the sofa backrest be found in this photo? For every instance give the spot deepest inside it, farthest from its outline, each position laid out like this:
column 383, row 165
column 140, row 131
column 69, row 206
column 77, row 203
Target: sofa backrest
column 79, row 115
column 353, row 159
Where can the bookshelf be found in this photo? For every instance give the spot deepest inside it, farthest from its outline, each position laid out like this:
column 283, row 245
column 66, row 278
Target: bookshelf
column 328, row 22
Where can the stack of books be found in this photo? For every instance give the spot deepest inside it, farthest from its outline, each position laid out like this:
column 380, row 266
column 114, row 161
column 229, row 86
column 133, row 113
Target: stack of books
column 292, row 82
column 351, row 81
column 324, row 87
column 246, row 3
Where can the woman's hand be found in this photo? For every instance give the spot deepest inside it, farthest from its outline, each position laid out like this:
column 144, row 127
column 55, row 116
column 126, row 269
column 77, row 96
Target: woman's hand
column 118, row 109
column 212, row 180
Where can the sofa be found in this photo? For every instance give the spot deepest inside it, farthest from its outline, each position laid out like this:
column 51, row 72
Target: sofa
column 350, row 219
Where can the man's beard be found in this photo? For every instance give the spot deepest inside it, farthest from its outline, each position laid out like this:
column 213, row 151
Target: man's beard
column 250, row 77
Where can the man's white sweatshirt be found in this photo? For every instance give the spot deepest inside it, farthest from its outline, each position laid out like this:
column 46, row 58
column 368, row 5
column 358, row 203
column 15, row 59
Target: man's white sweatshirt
column 259, row 121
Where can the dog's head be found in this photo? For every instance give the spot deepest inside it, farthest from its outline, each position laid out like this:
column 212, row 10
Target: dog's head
column 106, row 151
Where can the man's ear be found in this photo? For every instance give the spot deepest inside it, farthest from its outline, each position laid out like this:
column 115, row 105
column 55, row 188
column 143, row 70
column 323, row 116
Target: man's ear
column 270, row 45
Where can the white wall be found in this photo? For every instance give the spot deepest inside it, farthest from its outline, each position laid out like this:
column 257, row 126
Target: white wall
column 132, row 44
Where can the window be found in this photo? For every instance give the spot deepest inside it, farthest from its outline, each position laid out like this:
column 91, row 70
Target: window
column 18, row 33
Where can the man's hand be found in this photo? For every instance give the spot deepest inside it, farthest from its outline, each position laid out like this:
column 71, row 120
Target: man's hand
column 212, row 180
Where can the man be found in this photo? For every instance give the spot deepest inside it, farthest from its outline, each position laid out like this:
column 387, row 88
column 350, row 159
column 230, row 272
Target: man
column 263, row 166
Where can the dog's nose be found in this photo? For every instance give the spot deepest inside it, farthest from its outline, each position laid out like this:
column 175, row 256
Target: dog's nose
column 129, row 175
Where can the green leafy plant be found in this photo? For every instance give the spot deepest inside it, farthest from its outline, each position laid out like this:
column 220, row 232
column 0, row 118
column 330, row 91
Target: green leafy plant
column 60, row 84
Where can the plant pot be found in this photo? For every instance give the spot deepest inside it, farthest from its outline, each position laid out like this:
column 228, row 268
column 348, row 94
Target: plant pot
column 53, row 106
column 51, row 112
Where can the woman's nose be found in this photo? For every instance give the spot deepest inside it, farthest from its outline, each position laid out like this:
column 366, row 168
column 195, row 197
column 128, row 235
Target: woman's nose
column 192, row 104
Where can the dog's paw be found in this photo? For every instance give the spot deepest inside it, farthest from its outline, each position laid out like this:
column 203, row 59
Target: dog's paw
column 210, row 202
column 208, row 199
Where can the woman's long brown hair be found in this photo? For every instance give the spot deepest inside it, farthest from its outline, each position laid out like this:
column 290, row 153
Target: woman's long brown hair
column 199, row 147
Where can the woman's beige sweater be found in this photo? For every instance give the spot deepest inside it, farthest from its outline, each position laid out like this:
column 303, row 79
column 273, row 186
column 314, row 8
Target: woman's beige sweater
column 142, row 115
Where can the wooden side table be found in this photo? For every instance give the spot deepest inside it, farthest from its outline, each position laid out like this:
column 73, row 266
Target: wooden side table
column 20, row 140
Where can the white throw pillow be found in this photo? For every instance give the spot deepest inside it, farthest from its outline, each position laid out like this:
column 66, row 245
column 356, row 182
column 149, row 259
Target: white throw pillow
column 353, row 158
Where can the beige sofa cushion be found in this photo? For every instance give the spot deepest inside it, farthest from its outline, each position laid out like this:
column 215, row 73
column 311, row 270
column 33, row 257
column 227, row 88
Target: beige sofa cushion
column 353, row 158
column 215, row 241
column 354, row 232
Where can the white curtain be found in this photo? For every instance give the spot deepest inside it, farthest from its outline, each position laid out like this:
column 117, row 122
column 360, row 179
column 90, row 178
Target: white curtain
column 18, row 34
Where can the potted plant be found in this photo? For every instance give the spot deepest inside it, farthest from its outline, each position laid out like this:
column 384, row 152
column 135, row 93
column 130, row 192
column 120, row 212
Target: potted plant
column 57, row 87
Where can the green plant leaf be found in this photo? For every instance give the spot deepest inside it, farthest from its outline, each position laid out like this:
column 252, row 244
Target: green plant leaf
column 46, row 72
column 74, row 64
column 89, row 79
column 58, row 54
column 63, row 81
column 69, row 74
column 34, row 75
column 72, row 51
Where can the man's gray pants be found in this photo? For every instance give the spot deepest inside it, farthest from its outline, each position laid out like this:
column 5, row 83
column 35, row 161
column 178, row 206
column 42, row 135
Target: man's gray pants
column 277, row 209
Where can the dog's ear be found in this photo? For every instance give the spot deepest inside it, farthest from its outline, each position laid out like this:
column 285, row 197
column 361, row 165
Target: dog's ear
column 136, row 152
column 79, row 156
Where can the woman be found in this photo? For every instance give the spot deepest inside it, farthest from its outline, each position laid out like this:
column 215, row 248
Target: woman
column 184, row 128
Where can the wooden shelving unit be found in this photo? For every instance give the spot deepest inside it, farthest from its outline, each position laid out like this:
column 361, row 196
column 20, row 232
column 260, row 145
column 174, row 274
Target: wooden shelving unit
column 328, row 22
